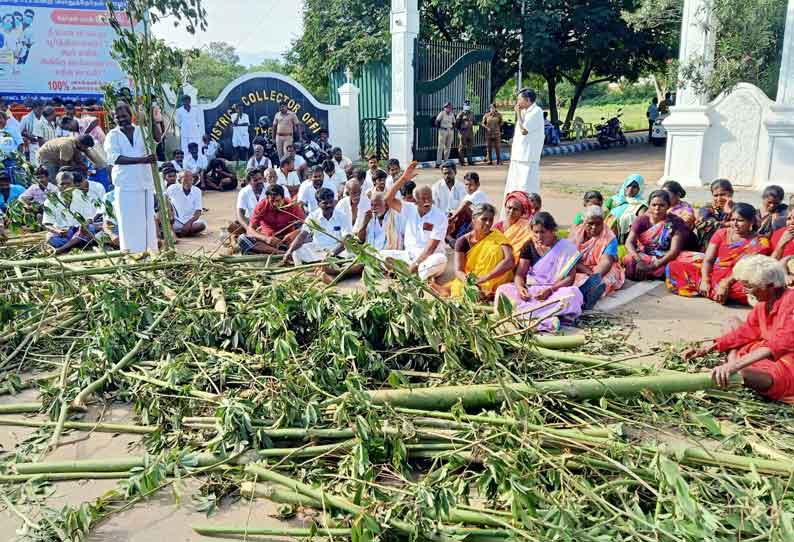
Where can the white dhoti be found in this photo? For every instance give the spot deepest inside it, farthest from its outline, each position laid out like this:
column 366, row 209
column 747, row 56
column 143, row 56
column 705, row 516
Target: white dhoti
column 312, row 253
column 135, row 217
column 433, row 266
column 522, row 176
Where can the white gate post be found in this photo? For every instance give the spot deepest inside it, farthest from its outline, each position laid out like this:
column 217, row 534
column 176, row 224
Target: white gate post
column 688, row 122
column 347, row 132
column 780, row 121
column 404, row 29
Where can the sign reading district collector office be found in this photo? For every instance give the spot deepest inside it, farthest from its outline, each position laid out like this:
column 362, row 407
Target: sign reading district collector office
column 259, row 98
column 56, row 48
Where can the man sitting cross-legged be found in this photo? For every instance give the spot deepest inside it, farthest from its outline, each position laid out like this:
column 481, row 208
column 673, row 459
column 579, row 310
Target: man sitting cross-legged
column 187, row 204
column 247, row 199
column 425, row 230
column 325, row 227
column 274, row 224
column 68, row 216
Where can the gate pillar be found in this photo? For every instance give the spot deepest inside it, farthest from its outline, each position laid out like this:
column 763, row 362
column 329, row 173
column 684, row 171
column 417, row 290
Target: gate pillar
column 400, row 123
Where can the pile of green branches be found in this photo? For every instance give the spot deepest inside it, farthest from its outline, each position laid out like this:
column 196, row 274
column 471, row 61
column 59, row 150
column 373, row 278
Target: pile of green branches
column 390, row 412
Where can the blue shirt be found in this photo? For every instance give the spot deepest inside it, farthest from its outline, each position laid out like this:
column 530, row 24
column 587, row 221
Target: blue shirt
column 612, row 248
column 15, row 191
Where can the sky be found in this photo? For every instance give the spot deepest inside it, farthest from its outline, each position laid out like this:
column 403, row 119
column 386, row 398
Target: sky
column 258, row 29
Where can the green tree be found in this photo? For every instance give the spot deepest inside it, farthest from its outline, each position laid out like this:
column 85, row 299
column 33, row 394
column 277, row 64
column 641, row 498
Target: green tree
column 271, row 65
column 216, row 65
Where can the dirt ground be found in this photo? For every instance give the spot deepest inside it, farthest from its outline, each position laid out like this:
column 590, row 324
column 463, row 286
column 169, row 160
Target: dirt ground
column 658, row 316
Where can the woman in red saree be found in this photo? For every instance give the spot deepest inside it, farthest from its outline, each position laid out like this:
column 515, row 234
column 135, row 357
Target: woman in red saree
column 710, row 274
column 598, row 272
column 762, row 348
column 783, row 239
column 518, row 212
column 655, row 239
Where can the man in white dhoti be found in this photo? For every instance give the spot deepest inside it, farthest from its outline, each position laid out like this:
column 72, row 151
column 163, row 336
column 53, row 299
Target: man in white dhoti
column 133, row 181
column 524, row 172
column 241, row 139
column 190, row 123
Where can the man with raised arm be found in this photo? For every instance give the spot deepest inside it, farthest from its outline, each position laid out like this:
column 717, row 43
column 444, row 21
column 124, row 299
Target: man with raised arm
column 425, row 228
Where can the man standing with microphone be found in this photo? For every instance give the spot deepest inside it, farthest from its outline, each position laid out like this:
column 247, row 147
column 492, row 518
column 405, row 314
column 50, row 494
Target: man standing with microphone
column 524, row 172
column 134, row 185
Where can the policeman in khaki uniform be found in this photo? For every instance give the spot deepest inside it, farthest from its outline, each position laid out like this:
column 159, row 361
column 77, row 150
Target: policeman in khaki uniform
column 445, row 122
column 465, row 126
column 492, row 122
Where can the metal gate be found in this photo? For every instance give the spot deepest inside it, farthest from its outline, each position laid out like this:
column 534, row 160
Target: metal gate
column 449, row 72
column 374, row 138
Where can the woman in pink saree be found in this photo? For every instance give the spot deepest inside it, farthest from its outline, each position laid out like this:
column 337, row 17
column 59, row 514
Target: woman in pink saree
column 545, row 274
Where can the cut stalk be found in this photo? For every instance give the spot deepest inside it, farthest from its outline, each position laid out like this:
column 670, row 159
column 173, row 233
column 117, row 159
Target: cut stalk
column 212, row 530
column 62, row 476
column 20, row 408
column 83, row 426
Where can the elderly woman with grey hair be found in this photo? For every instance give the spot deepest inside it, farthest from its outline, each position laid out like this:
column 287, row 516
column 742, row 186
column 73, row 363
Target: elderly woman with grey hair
column 762, row 348
column 258, row 160
column 484, row 254
column 598, row 272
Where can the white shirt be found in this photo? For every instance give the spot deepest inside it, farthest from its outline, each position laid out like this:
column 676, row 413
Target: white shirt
column 96, row 194
column 133, row 176
column 189, row 124
column 185, row 205
column 240, row 137
column 299, row 161
column 290, row 180
column 447, row 200
column 13, row 122
column 335, row 227
column 376, row 232
column 86, row 205
column 420, row 230
column 247, row 199
column 58, row 215
column 345, row 208
column 344, row 164
column 339, row 179
column 253, row 163
column 28, row 123
column 176, row 165
column 477, row 198
column 212, row 149
column 528, row 148
column 307, row 194
column 194, row 165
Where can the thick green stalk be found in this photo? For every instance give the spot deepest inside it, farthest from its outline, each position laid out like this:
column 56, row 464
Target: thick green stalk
column 318, row 531
column 20, row 408
column 62, row 476
column 83, row 426
column 163, row 384
column 327, row 498
column 57, row 262
column 490, row 395
column 559, row 342
column 81, row 465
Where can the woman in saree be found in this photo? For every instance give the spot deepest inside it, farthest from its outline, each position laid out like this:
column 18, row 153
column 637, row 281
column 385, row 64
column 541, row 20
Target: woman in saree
column 782, row 241
column 715, row 215
column 678, row 206
column 598, row 272
column 518, row 212
column 761, row 349
column 711, row 274
column 625, row 206
column 543, row 288
column 483, row 252
column 656, row 239
column 772, row 213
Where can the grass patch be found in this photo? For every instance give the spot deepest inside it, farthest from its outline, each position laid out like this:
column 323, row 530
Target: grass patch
column 633, row 114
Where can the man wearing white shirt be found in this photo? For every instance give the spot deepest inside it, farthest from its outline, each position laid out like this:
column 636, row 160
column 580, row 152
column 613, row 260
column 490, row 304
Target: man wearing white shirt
column 241, row 139
column 187, row 204
column 341, row 161
column 307, row 193
column 258, row 160
column 524, row 172
column 354, row 205
column 425, row 230
column 63, row 213
column 335, row 176
column 247, row 198
column 448, row 192
column 382, row 228
column 28, row 124
column 209, row 147
column 190, row 123
column 287, row 177
column 134, row 184
column 326, row 229
column 372, row 167
column 395, row 172
column 298, row 160
column 195, row 162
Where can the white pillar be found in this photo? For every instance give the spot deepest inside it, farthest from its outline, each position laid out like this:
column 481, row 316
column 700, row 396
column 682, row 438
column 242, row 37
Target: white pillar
column 347, row 133
column 688, row 122
column 780, row 120
column 404, row 29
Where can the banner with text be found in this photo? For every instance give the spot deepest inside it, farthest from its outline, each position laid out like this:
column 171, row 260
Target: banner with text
column 56, row 48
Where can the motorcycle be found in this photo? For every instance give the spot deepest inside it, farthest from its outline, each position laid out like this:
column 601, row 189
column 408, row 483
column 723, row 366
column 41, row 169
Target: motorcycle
column 611, row 131
column 263, row 138
column 659, row 132
column 311, row 152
